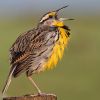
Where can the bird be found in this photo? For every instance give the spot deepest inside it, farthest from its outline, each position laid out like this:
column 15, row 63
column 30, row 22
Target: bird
column 39, row 48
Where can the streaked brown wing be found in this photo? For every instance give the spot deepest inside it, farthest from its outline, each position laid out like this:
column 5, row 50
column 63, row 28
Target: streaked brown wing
column 23, row 50
column 21, row 45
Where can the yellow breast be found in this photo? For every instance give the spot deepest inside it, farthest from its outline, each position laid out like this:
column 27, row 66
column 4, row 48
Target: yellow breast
column 58, row 49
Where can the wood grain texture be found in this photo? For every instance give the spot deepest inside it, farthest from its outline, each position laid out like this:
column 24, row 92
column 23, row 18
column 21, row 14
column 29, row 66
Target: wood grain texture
column 33, row 97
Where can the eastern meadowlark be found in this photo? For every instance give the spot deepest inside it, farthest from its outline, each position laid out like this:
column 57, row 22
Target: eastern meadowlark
column 39, row 48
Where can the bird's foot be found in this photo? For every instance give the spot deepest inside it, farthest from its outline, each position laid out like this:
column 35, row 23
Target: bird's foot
column 46, row 94
column 41, row 94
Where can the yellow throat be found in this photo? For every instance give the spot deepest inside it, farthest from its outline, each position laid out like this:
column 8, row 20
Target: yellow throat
column 58, row 49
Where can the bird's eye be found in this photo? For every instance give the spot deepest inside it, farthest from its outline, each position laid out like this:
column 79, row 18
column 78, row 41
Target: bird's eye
column 56, row 17
column 50, row 16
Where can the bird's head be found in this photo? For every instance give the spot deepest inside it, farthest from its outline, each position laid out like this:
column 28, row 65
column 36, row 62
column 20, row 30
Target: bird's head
column 52, row 19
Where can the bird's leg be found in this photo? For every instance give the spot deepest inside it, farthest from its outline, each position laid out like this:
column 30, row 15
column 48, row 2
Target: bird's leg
column 34, row 84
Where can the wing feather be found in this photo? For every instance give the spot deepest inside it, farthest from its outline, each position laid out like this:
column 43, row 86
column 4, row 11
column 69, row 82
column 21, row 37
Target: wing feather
column 27, row 47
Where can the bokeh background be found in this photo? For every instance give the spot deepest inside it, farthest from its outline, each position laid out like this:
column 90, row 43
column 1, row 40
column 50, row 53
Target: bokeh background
column 77, row 76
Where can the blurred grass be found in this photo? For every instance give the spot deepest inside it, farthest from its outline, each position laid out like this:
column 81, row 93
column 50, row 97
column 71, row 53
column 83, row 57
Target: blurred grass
column 77, row 76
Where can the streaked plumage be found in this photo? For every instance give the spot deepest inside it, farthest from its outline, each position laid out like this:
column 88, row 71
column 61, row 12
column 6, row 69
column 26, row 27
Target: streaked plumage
column 39, row 48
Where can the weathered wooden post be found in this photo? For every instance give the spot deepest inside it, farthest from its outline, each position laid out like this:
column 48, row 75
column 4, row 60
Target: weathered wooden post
column 33, row 97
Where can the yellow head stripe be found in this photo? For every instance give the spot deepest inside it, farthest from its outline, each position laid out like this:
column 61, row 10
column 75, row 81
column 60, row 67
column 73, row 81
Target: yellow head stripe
column 52, row 13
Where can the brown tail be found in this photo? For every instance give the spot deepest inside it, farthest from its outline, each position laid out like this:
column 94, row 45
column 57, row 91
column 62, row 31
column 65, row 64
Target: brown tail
column 8, row 81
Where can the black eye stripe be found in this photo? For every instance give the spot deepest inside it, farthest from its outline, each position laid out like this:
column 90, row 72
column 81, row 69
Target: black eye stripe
column 45, row 20
column 50, row 16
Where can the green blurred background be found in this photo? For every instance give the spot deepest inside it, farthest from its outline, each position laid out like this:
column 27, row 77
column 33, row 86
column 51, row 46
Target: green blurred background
column 77, row 76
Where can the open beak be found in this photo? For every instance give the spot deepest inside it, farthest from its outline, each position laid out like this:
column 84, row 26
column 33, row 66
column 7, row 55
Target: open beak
column 63, row 19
